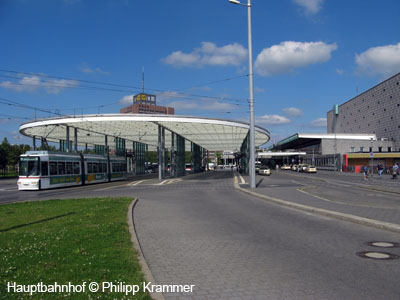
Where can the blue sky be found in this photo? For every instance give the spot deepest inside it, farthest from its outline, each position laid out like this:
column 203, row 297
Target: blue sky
column 308, row 55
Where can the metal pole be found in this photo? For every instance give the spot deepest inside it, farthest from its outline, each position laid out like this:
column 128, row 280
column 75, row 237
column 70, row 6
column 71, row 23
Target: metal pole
column 251, row 99
column 159, row 153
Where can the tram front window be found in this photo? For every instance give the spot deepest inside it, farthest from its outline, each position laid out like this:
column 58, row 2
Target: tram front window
column 29, row 166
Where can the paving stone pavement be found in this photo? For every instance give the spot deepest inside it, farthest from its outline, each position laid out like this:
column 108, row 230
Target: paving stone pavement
column 231, row 246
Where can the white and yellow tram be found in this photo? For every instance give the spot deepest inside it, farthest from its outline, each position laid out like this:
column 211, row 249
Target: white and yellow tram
column 46, row 169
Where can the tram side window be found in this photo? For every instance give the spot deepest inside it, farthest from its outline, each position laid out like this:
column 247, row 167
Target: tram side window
column 69, row 168
column 44, row 167
column 104, row 168
column 53, row 168
column 89, row 168
column 61, row 168
column 76, row 168
column 95, row 168
column 100, row 170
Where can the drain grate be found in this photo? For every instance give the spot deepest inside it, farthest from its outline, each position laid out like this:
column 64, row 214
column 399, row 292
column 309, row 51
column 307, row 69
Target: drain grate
column 377, row 255
column 382, row 244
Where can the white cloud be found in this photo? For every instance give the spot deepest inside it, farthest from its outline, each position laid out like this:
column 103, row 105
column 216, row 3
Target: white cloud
column 203, row 105
column 272, row 120
column 320, row 122
column 128, row 99
column 293, row 112
column 383, row 60
column 286, row 56
column 208, row 54
column 310, row 7
column 340, row 71
column 85, row 68
column 34, row 83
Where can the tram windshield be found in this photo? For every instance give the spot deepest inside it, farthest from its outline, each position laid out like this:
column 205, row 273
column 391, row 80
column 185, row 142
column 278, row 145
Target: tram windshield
column 29, row 166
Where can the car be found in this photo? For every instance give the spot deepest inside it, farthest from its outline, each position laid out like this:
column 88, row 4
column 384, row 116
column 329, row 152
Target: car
column 311, row 169
column 303, row 168
column 294, row 168
column 285, row 167
column 264, row 171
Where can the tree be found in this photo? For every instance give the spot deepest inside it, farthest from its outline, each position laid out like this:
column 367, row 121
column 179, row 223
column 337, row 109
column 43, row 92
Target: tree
column 3, row 158
column 4, row 153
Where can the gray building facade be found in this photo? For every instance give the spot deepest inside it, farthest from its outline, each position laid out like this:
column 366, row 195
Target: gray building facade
column 376, row 111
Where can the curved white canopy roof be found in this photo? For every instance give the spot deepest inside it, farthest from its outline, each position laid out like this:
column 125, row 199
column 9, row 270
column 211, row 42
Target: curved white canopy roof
column 211, row 134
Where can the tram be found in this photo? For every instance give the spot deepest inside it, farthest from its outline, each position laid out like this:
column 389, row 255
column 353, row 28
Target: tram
column 46, row 169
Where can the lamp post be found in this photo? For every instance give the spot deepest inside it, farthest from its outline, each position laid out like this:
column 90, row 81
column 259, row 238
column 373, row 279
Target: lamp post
column 252, row 171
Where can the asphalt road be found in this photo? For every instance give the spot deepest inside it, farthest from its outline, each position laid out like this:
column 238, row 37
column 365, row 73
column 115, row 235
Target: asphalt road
column 200, row 230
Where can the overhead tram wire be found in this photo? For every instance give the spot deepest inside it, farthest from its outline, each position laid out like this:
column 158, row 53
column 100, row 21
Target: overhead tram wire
column 119, row 85
column 68, row 85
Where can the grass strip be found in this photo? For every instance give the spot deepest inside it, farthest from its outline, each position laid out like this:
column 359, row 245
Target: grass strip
column 68, row 241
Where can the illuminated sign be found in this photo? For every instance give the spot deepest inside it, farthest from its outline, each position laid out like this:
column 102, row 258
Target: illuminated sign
column 151, row 99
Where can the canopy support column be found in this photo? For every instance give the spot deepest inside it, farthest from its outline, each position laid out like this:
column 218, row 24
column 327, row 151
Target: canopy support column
column 140, row 157
column 76, row 140
column 173, row 154
column 34, row 142
column 67, row 138
column 180, row 156
column 161, row 152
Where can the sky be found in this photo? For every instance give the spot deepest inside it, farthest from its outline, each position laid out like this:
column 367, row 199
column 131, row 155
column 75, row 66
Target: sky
column 66, row 57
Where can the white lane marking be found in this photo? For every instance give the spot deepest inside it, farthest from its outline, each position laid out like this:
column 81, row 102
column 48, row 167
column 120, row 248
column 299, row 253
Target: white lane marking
column 174, row 180
column 136, row 182
column 241, row 179
column 111, row 187
column 339, row 202
column 162, row 182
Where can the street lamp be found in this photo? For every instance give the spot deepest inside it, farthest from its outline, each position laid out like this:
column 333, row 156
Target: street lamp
column 252, row 171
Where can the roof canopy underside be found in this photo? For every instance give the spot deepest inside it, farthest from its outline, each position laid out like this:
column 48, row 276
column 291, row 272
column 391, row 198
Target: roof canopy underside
column 211, row 134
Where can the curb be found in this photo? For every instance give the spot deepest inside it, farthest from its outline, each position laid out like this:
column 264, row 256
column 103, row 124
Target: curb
column 324, row 212
column 148, row 276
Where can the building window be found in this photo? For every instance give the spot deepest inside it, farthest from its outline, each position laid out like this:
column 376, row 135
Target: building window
column 352, row 149
column 370, row 149
column 389, row 149
column 379, row 149
column 361, row 149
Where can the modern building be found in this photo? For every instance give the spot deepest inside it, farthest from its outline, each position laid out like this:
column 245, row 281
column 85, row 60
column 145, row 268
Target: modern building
column 146, row 104
column 362, row 131
column 340, row 151
column 376, row 111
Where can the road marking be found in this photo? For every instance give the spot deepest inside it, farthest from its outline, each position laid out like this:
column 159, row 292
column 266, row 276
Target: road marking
column 339, row 202
column 162, row 182
column 136, row 182
column 111, row 187
column 241, row 179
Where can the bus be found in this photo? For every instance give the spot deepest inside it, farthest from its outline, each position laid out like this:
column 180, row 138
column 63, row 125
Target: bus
column 46, row 169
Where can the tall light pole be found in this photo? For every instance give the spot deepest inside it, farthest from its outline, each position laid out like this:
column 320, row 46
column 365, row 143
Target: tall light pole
column 252, row 170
